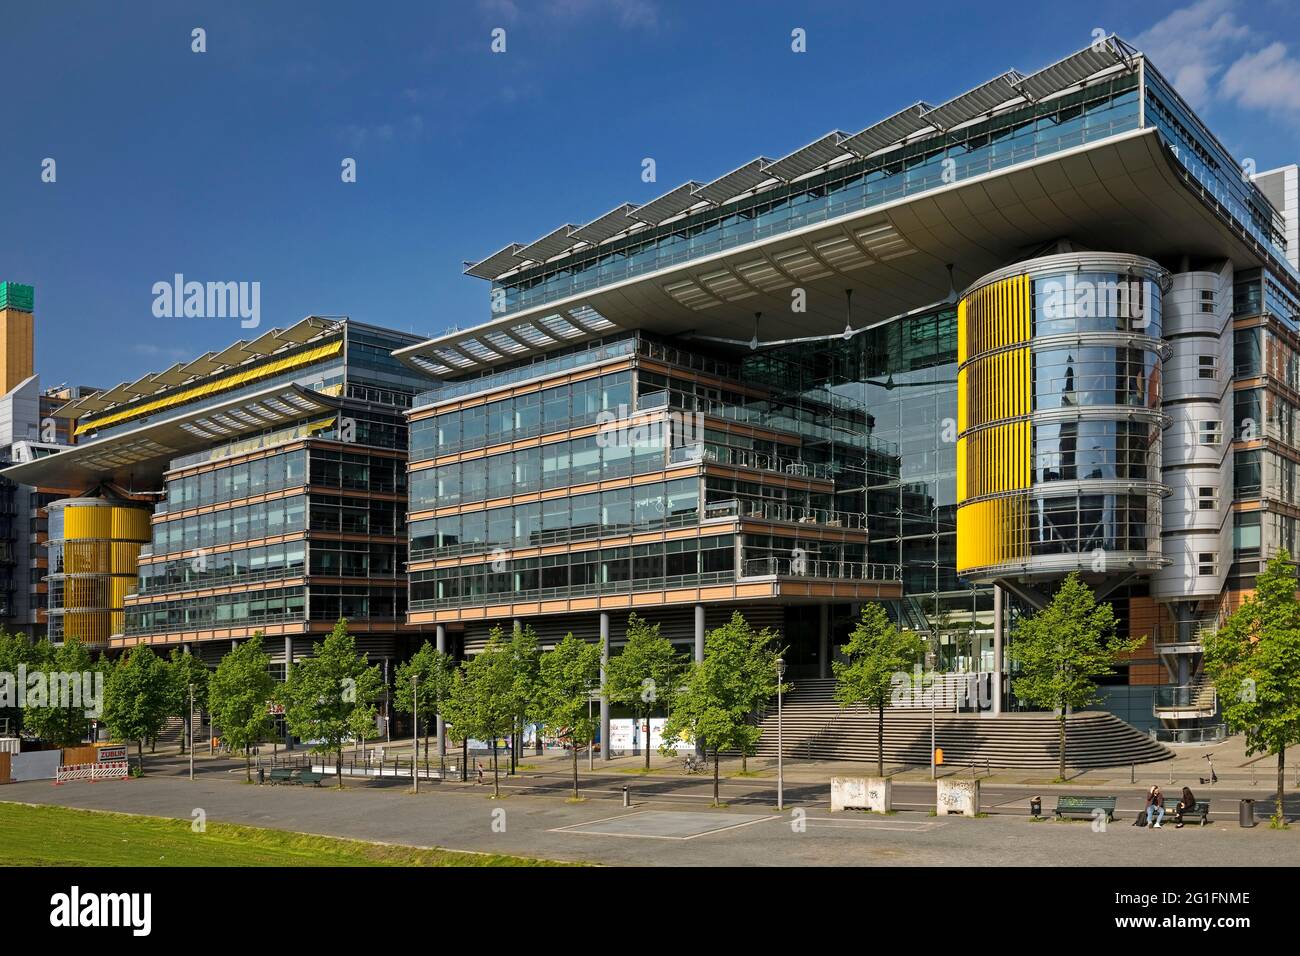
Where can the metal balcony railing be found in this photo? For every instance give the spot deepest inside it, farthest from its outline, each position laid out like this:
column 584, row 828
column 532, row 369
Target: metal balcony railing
column 747, row 458
column 790, row 514
column 1199, row 699
column 797, row 567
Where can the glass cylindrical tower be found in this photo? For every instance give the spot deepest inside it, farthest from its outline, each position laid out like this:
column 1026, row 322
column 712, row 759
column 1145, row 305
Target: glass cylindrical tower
column 94, row 547
column 1059, row 422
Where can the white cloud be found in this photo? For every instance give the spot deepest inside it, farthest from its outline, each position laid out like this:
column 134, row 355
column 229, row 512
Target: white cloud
column 1267, row 79
column 1192, row 45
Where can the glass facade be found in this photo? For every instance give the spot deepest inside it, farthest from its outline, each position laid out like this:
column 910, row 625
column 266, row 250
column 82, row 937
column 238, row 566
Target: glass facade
column 677, row 563
column 615, row 511
column 1101, row 110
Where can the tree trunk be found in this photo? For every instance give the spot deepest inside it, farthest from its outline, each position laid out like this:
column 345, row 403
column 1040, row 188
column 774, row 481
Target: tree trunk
column 1060, row 772
column 1281, row 783
column 575, row 771
column 248, row 766
column 496, row 780
column 338, row 765
column 185, row 734
column 716, row 801
column 647, row 741
column 880, row 738
column 139, row 755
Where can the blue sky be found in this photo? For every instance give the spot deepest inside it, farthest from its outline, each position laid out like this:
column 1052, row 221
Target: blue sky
column 225, row 165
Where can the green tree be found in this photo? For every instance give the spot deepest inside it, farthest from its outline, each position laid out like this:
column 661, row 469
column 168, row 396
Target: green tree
column 1254, row 661
column 330, row 696
column 1062, row 649
column 434, row 670
column 239, row 694
column 16, row 652
column 187, row 671
column 136, row 697
column 482, row 703
column 69, row 704
column 875, row 652
column 526, row 654
column 715, row 704
column 565, row 675
column 642, row 676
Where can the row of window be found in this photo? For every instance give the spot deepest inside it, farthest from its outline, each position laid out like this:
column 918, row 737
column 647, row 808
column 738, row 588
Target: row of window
column 522, row 416
column 273, row 605
column 327, row 558
column 1069, row 451
column 226, row 567
column 1095, row 302
column 574, row 517
column 555, row 465
column 1093, row 524
column 232, row 482
column 231, row 525
column 579, row 571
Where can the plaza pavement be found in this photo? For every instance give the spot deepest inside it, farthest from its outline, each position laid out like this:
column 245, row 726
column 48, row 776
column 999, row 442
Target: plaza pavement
column 671, row 823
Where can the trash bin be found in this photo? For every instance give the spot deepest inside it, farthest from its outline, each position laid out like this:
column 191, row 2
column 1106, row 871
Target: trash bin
column 1247, row 813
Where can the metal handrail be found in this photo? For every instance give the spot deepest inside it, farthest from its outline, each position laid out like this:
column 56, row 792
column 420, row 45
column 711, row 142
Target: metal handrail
column 797, row 567
column 578, row 590
column 790, row 514
column 747, row 458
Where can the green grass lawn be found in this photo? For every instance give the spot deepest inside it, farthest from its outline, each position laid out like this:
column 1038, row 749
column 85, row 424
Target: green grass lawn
column 59, row 836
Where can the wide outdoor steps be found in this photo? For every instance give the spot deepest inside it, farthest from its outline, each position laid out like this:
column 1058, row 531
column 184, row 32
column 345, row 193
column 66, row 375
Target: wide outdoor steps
column 815, row 727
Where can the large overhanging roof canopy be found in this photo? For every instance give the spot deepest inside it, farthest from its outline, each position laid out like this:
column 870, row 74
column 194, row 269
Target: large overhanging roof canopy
column 477, row 349
column 273, row 341
column 138, row 458
column 894, row 256
column 834, row 147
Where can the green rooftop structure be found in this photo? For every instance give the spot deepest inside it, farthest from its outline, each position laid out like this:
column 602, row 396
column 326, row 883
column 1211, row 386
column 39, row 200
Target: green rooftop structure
column 15, row 295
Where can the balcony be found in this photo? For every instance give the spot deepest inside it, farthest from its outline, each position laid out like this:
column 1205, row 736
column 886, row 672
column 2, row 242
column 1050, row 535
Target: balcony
column 1167, row 639
column 748, row 508
column 806, row 567
column 1186, row 701
column 747, row 458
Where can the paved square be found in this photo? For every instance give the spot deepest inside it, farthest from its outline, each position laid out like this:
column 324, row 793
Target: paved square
column 665, row 824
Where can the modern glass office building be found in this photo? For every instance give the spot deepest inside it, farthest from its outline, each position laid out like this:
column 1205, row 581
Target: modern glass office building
column 1045, row 326
column 261, row 488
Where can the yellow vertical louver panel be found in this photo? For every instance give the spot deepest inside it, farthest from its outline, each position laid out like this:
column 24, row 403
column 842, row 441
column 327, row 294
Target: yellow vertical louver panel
column 995, row 437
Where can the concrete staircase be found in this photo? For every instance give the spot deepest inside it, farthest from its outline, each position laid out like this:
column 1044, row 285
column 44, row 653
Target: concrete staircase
column 816, row 727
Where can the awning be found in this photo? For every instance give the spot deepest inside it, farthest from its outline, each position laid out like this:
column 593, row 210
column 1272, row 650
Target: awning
column 138, row 458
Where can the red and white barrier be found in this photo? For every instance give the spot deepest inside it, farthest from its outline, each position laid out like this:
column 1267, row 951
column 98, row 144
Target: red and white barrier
column 70, row 773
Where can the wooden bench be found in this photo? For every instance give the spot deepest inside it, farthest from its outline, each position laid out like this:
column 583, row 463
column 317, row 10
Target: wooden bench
column 1202, row 810
column 311, row 777
column 281, row 775
column 1085, row 806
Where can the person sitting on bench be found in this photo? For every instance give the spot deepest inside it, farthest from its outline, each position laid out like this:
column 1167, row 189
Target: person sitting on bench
column 1186, row 804
column 1155, row 808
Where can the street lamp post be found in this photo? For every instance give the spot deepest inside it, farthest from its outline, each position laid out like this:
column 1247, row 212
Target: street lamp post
column 780, row 767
